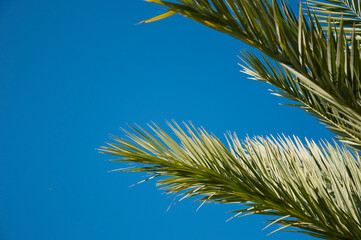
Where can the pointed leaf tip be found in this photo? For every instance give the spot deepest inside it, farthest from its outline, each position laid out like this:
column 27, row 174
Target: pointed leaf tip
column 159, row 17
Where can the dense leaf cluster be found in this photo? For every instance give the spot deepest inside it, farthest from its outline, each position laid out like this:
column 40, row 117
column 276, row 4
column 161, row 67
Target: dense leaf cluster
column 313, row 59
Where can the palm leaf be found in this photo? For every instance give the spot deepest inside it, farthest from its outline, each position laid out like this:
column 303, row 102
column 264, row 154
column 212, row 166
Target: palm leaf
column 338, row 119
column 324, row 64
column 312, row 187
column 317, row 187
column 346, row 11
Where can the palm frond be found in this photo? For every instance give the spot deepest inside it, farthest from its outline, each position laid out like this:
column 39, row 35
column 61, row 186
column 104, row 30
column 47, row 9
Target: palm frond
column 314, row 188
column 339, row 120
column 324, row 64
column 262, row 24
column 337, row 11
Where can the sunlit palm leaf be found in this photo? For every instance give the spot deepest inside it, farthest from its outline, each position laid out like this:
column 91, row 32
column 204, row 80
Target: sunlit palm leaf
column 315, row 188
column 318, row 188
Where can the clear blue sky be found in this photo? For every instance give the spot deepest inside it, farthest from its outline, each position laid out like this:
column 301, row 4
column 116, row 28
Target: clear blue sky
column 73, row 72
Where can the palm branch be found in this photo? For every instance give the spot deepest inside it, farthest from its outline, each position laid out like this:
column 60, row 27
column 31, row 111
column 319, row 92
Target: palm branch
column 325, row 65
column 314, row 188
column 312, row 60
column 346, row 11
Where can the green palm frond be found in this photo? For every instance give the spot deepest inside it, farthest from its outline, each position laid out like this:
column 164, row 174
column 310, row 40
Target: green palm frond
column 314, row 60
column 262, row 24
column 346, row 11
column 314, row 188
column 324, row 64
column 338, row 119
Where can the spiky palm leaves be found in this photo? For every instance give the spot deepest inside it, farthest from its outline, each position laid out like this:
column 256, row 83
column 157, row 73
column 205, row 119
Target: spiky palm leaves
column 346, row 11
column 315, row 188
column 325, row 67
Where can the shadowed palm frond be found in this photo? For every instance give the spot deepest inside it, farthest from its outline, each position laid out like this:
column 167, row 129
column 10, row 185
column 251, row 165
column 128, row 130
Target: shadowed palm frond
column 324, row 64
column 337, row 11
column 339, row 120
column 314, row 188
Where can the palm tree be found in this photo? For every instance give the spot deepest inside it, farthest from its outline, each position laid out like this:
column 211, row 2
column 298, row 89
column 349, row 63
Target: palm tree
column 314, row 60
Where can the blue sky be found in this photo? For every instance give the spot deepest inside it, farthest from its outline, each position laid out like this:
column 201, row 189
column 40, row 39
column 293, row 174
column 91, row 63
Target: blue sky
column 74, row 72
